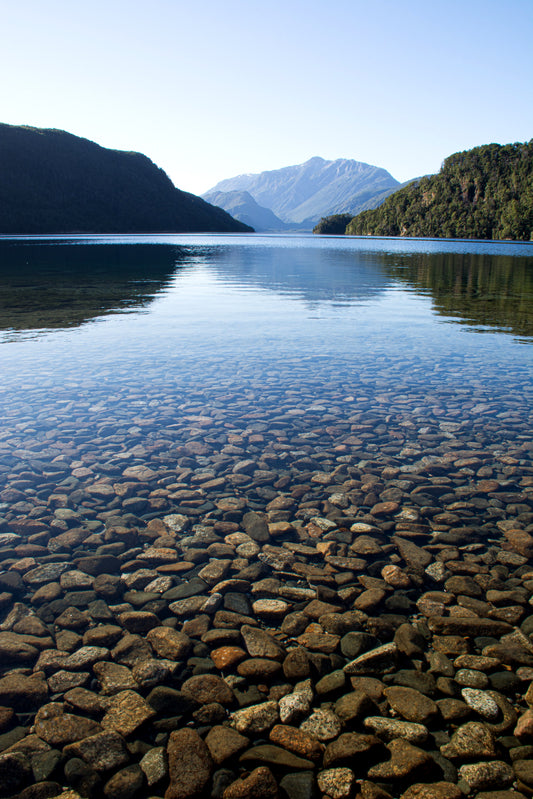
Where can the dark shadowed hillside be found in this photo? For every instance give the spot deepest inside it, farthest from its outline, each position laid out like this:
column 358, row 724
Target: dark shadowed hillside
column 54, row 182
column 484, row 193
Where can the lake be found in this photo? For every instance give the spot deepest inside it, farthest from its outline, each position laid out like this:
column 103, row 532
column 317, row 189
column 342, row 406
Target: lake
column 292, row 414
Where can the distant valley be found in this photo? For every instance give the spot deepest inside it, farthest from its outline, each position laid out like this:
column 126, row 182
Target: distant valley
column 297, row 197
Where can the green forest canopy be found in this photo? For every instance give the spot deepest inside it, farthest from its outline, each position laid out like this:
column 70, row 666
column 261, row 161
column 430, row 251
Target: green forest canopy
column 483, row 193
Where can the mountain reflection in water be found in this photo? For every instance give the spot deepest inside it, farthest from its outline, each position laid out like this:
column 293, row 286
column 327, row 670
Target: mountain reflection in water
column 475, row 289
column 55, row 283
column 48, row 285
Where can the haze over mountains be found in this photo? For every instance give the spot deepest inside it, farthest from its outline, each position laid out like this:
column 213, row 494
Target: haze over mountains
column 300, row 195
column 54, row 182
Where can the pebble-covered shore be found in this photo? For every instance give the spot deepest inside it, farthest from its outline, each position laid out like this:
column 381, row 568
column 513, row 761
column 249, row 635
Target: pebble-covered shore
column 263, row 594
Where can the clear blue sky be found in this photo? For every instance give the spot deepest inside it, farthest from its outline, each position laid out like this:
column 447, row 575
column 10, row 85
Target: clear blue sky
column 215, row 88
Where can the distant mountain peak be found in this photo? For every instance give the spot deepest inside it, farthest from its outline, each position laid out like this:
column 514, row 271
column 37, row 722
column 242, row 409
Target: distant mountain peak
column 303, row 193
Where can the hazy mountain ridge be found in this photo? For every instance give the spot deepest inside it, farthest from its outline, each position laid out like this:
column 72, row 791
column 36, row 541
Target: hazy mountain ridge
column 303, row 193
column 242, row 206
column 482, row 193
column 54, row 182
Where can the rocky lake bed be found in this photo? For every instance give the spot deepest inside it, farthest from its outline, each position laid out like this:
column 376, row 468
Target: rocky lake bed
column 285, row 577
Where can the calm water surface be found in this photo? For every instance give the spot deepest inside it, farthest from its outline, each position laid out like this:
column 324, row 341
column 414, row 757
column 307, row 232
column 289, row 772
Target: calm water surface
column 120, row 351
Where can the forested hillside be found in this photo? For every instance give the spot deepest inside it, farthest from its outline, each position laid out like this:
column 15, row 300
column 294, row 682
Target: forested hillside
column 54, row 182
column 484, row 193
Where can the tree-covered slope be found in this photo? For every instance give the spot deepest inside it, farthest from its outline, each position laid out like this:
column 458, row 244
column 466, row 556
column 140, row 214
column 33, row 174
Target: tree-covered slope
column 54, row 182
column 483, row 193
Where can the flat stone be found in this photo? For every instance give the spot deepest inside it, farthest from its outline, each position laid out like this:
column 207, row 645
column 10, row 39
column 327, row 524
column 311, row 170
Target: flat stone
column 470, row 627
column 434, row 790
column 113, row 677
column 491, row 775
column 415, row 557
column 206, row 688
column 381, row 660
column 412, row 704
column 85, row 657
column 354, row 705
column 124, row 784
column 103, row 751
column 297, row 741
column 47, row 573
column 319, row 642
column 62, row 681
column 471, row 678
column 169, row 643
column 261, row 644
column 256, row 668
column 22, row 692
column 225, row 743
column 58, row 728
column 388, row 729
column 270, row 608
column 187, row 607
column 276, row 756
column 126, row 712
column 15, row 649
column 138, row 621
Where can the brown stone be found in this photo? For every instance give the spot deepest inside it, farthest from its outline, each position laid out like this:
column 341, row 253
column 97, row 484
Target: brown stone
column 406, row 762
column 224, row 743
column 296, row 741
column 190, row 765
column 205, row 688
column 58, row 728
column 434, row 790
column 169, row 643
column 411, row 704
column 126, row 712
column 259, row 784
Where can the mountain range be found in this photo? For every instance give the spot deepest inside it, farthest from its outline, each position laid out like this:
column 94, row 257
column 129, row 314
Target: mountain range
column 299, row 196
column 54, row 182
